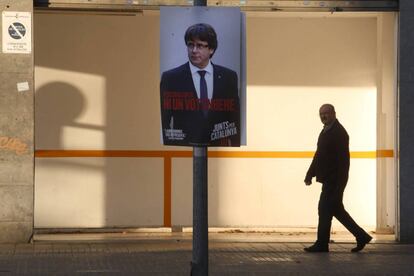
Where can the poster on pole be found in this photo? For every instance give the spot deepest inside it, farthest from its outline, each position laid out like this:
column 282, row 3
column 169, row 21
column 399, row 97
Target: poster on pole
column 17, row 32
column 200, row 64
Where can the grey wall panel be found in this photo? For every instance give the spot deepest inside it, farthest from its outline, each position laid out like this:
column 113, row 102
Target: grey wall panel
column 406, row 122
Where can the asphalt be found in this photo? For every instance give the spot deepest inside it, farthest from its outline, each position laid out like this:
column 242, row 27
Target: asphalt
column 230, row 253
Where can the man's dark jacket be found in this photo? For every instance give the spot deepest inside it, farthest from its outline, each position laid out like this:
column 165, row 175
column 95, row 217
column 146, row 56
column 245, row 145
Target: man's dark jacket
column 331, row 161
column 194, row 123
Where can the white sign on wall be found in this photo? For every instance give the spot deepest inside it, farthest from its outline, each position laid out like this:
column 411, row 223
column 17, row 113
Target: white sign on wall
column 17, row 32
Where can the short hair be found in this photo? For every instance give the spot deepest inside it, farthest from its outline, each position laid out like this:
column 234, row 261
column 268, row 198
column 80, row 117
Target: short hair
column 330, row 106
column 203, row 32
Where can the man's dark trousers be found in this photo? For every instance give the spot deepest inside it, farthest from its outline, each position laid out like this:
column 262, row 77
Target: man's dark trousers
column 330, row 205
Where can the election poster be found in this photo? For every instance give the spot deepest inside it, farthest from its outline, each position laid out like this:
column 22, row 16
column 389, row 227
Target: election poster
column 200, row 64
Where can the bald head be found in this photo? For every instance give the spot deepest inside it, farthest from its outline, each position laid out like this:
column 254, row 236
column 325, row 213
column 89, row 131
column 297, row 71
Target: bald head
column 327, row 114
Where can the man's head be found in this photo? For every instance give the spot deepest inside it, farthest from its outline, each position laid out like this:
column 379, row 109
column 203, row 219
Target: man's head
column 201, row 41
column 327, row 114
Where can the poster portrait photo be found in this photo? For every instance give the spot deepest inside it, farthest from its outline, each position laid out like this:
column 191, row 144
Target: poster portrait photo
column 200, row 69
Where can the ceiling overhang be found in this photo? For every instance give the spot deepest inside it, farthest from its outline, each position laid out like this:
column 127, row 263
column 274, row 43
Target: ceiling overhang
column 246, row 5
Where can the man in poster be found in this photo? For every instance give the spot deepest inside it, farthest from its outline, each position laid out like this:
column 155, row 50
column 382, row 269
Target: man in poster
column 199, row 99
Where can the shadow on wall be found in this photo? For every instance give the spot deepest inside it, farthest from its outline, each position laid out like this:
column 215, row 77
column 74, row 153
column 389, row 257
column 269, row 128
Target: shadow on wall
column 58, row 104
column 318, row 52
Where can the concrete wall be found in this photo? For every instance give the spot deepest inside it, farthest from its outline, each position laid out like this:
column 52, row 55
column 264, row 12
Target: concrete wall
column 97, row 79
column 16, row 137
column 386, row 120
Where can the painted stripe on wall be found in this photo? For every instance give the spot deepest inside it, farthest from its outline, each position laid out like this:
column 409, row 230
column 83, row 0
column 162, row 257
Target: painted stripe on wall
column 213, row 154
column 167, row 192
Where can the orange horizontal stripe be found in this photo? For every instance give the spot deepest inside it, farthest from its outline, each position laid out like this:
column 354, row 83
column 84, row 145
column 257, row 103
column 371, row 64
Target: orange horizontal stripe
column 213, row 154
column 372, row 154
column 385, row 153
column 363, row 154
column 262, row 154
column 111, row 153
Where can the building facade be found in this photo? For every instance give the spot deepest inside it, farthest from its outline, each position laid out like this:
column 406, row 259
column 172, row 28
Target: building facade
column 98, row 159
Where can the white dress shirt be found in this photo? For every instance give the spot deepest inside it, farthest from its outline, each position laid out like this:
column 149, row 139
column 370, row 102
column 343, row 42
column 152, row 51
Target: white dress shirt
column 208, row 77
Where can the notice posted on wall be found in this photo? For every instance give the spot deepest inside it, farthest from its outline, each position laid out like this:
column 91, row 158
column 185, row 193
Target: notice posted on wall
column 17, row 32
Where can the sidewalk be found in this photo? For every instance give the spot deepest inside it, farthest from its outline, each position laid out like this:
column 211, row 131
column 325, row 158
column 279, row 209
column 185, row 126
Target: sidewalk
column 229, row 254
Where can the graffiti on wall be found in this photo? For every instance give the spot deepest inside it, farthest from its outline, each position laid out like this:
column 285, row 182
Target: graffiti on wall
column 13, row 144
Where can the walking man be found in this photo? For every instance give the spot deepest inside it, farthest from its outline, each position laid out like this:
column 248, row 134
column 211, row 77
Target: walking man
column 330, row 165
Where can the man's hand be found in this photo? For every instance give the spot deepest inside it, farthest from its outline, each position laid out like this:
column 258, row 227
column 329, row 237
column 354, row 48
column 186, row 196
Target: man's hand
column 308, row 182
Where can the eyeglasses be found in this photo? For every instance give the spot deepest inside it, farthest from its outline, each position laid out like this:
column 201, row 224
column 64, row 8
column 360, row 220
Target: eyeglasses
column 191, row 46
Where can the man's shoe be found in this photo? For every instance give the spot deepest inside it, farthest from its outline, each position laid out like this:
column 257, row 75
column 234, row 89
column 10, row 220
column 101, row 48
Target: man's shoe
column 316, row 248
column 361, row 244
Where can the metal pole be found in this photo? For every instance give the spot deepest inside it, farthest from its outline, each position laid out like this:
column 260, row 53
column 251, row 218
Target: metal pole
column 200, row 2
column 199, row 264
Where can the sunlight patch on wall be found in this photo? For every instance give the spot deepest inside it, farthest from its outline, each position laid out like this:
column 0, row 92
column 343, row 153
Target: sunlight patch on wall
column 286, row 118
column 71, row 109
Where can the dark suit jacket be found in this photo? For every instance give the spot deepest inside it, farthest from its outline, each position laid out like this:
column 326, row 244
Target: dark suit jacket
column 177, row 87
column 331, row 161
